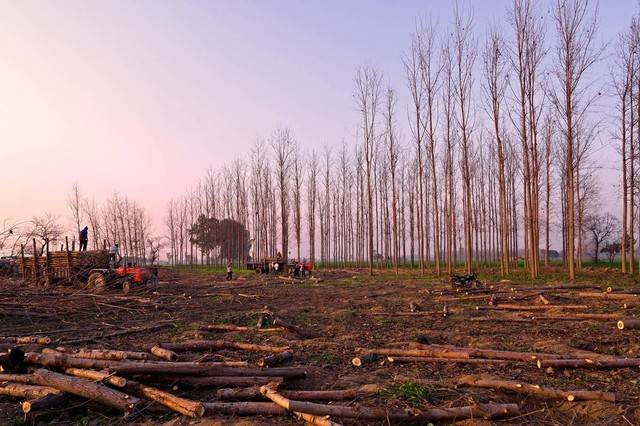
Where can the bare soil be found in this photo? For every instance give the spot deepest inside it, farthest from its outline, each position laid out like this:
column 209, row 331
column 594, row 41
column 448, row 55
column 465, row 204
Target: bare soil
column 338, row 307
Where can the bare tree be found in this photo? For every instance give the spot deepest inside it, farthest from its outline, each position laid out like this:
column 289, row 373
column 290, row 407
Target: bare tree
column 367, row 97
column 464, row 53
column 496, row 82
column 576, row 53
column 283, row 146
column 392, row 154
column 75, row 203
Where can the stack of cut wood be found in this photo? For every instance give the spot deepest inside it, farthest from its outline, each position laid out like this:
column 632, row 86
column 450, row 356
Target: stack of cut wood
column 62, row 264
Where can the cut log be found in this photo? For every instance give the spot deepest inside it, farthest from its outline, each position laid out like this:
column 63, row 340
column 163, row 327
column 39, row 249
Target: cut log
column 86, row 389
column 98, row 376
column 244, row 408
column 367, row 358
column 177, row 368
column 313, row 395
column 275, row 359
column 26, row 340
column 486, row 411
column 535, row 390
column 181, row 405
column 206, row 345
column 163, row 353
column 104, row 354
column 610, row 296
column 218, row 381
column 46, row 402
column 628, row 324
column 17, row 378
column 20, row 390
column 602, row 364
column 577, row 317
column 403, row 314
column 304, row 333
column 315, row 420
column 509, row 307
column 438, row 351
column 474, row 361
column 229, row 327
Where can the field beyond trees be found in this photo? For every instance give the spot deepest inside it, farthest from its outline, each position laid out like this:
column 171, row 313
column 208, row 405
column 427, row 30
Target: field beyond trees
column 338, row 311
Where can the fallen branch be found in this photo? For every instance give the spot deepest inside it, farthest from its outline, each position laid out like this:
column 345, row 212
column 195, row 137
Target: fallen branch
column 97, row 376
column 229, row 327
column 474, row 361
column 304, row 333
column 313, row 395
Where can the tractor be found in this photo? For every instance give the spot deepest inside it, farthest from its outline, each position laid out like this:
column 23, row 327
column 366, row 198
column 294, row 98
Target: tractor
column 120, row 277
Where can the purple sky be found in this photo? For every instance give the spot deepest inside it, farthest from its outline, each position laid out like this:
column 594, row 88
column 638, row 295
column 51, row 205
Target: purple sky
column 141, row 97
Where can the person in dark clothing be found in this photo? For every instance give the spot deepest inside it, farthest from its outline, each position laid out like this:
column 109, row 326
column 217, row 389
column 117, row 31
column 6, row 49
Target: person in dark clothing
column 229, row 272
column 84, row 238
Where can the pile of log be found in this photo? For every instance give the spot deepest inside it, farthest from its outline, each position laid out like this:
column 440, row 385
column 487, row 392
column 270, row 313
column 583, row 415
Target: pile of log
column 159, row 378
column 61, row 264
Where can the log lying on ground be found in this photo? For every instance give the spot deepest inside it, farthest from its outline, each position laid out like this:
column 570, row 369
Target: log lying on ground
column 366, row 358
column 229, row 327
column 26, row 340
column 20, row 390
column 104, row 354
column 437, row 351
column 313, row 395
column 244, row 408
column 535, row 390
column 214, row 381
column 473, row 361
column 275, row 359
column 403, row 314
column 628, row 324
column 486, row 411
column 86, row 389
column 610, row 296
column 577, row 317
column 98, row 376
column 205, row 345
column 163, row 353
column 46, row 402
column 509, row 307
column 181, row 405
column 304, row 333
column 599, row 364
column 160, row 367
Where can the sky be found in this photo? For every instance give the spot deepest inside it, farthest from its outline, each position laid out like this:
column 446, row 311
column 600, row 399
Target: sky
column 141, row 97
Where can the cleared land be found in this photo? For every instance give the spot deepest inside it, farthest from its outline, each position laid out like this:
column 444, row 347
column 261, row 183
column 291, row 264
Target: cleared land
column 465, row 357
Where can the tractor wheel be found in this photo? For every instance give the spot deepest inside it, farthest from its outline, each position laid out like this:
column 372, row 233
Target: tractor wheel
column 97, row 282
column 126, row 286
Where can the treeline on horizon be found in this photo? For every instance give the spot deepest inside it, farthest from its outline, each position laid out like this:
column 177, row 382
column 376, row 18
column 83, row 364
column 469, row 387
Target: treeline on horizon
column 503, row 123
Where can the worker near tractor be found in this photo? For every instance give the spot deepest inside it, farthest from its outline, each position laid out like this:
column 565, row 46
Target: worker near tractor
column 84, row 238
column 114, row 254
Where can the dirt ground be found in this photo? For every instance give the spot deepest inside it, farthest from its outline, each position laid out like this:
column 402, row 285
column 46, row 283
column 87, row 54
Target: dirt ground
column 339, row 307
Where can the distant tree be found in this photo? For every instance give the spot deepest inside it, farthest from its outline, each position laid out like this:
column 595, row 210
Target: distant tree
column 602, row 227
column 228, row 236
column 612, row 249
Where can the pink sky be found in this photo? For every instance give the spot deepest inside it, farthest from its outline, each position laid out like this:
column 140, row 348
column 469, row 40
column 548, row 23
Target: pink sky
column 141, row 97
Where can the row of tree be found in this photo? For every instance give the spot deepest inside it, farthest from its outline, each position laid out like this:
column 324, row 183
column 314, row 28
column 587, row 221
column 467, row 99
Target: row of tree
column 500, row 136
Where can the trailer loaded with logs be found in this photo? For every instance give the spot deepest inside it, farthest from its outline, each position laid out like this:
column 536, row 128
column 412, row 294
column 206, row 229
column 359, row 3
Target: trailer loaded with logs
column 89, row 269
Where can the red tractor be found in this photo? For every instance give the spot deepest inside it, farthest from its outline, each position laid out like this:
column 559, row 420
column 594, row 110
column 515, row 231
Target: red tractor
column 121, row 277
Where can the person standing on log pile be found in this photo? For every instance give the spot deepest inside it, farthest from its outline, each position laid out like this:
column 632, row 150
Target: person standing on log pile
column 84, row 238
column 229, row 272
column 114, row 255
